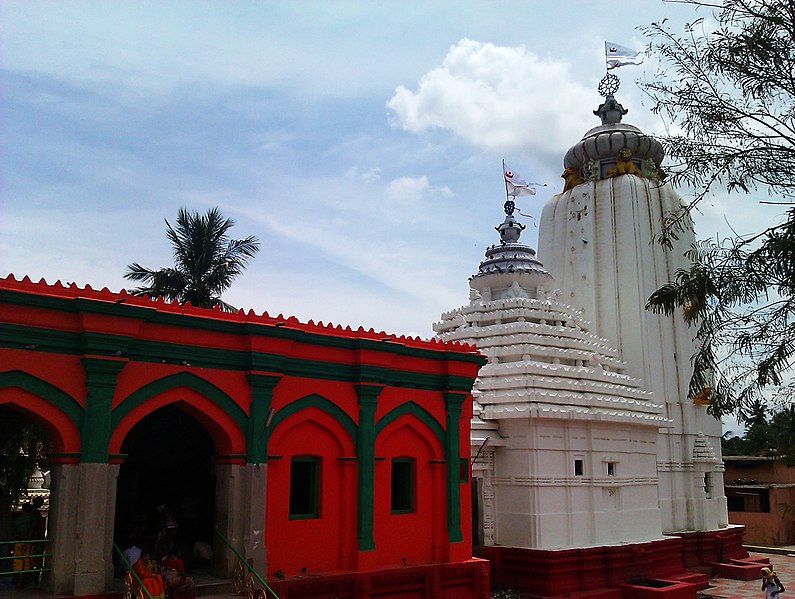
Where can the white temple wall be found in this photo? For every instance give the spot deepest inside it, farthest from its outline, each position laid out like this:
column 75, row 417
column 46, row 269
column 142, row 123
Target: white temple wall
column 541, row 501
column 597, row 241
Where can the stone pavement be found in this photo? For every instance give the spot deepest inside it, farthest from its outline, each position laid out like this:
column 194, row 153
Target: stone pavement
column 783, row 562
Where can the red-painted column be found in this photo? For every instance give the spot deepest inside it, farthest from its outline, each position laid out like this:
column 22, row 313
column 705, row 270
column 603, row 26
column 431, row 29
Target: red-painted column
column 348, row 548
column 439, row 510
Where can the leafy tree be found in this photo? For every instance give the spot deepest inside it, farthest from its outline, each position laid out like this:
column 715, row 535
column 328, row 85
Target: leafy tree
column 206, row 261
column 728, row 95
column 782, row 427
column 765, row 435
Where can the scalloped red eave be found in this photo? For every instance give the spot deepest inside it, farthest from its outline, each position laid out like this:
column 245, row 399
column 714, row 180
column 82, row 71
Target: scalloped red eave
column 73, row 291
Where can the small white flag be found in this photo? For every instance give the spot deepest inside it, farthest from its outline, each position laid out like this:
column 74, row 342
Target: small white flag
column 515, row 185
column 619, row 56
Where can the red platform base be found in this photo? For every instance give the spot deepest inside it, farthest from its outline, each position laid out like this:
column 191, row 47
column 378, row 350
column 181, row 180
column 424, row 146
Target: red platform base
column 741, row 569
column 684, row 560
column 704, row 547
column 459, row 580
column 658, row 589
column 462, row 580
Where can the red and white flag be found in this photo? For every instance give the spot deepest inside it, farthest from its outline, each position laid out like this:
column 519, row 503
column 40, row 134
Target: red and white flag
column 515, row 185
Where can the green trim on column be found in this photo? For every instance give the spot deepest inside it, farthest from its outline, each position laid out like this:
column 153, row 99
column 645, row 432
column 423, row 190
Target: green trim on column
column 411, row 407
column 453, row 403
column 181, row 379
column 261, row 397
column 100, row 386
column 365, row 445
column 32, row 384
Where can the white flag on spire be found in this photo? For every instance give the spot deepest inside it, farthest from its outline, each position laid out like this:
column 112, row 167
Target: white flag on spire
column 515, row 185
column 619, row 56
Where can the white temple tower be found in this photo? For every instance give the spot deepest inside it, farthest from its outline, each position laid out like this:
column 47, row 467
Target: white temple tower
column 563, row 441
column 597, row 238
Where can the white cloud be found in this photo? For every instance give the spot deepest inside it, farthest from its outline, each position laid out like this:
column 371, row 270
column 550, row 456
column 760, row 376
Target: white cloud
column 497, row 98
column 370, row 176
column 406, row 191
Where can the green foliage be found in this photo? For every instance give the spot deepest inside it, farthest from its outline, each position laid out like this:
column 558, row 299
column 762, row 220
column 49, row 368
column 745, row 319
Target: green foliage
column 764, row 436
column 728, row 94
column 731, row 93
column 206, row 261
column 740, row 295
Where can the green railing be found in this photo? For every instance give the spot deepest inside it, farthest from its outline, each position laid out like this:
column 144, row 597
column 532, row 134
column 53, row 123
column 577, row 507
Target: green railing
column 237, row 578
column 40, row 554
column 128, row 591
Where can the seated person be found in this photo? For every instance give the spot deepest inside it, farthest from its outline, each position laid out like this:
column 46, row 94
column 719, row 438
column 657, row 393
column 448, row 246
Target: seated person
column 179, row 585
column 145, row 570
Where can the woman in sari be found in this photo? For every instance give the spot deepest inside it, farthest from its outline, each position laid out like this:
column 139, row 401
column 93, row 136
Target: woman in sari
column 145, row 571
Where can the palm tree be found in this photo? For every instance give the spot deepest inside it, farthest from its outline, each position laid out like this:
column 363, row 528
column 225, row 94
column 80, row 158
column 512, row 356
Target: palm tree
column 206, row 261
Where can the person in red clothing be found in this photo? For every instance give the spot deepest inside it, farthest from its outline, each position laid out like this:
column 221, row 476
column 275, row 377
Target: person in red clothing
column 145, row 571
column 180, row 585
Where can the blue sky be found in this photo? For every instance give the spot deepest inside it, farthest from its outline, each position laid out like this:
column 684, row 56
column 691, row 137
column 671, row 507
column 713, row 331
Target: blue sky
column 360, row 142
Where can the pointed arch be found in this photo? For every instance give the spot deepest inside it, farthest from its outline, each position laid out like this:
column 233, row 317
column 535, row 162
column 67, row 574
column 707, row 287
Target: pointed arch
column 323, row 404
column 180, row 379
column 223, row 418
column 413, row 408
column 56, row 410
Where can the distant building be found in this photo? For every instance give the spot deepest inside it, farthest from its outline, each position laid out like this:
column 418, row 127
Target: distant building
column 760, row 492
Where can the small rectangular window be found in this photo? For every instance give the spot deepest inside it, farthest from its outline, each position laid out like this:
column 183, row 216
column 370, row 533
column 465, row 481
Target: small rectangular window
column 578, row 467
column 708, row 484
column 402, row 487
column 611, row 468
column 304, row 471
column 748, row 500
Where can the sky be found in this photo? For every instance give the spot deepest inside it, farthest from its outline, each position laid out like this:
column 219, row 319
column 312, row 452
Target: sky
column 360, row 142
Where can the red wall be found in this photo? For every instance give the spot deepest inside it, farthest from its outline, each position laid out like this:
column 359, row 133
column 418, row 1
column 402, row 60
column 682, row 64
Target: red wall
column 415, row 537
column 317, row 544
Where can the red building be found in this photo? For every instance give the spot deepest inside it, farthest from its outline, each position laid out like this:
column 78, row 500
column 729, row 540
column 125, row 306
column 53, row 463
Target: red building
column 326, row 456
column 760, row 491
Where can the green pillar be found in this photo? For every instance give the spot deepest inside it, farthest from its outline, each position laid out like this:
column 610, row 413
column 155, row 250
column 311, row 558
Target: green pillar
column 365, row 451
column 100, row 386
column 453, row 403
column 261, row 397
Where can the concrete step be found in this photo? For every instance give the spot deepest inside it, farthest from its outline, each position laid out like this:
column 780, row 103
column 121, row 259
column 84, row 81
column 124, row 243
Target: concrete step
column 214, row 590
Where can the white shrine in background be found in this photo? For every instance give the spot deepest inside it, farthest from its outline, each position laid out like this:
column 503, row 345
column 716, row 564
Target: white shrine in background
column 583, row 433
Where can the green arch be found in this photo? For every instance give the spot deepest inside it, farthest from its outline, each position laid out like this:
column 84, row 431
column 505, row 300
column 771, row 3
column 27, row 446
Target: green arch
column 417, row 410
column 180, row 379
column 320, row 402
column 33, row 384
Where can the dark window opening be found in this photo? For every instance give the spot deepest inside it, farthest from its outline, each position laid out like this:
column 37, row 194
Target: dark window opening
column 748, row 500
column 304, row 487
column 402, row 496
column 611, row 468
column 708, row 484
column 578, row 467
